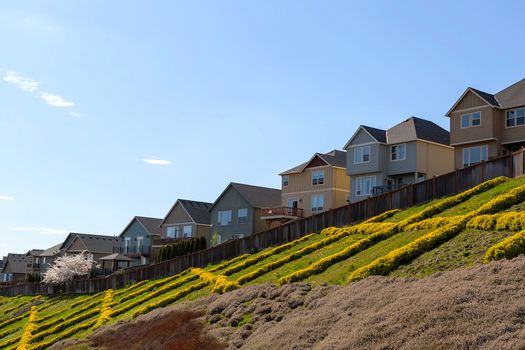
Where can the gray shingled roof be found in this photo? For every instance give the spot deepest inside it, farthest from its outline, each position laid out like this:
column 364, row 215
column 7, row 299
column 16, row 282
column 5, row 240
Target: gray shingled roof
column 427, row 130
column 199, row 211
column 256, row 196
column 17, row 263
column 94, row 243
column 152, row 225
column 378, row 134
column 491, row 99
column 259, row 197
column 334, row 158
column 513, row 95
column 52, row 251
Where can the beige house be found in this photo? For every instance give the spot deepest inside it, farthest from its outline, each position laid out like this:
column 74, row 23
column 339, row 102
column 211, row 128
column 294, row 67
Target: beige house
column 484, row 126
column 318, row 185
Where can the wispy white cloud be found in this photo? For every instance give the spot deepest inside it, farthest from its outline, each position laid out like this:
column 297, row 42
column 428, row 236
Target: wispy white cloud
column 75, row 114
column 43, row 230
column 55, row 100
column 6, row 198
column 156, row 161
column 33, row 86
column 24, row 83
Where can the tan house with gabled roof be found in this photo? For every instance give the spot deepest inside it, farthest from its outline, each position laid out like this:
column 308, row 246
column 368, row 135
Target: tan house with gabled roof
column 484, row 125
column 315, row 186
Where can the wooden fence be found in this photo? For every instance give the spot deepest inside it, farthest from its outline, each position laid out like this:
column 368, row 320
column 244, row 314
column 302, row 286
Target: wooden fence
column 512, row 165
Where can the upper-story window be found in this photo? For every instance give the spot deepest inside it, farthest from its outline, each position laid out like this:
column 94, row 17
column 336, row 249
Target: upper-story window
column 515, row 117
column 398, row 152
column 242, row 216
column 224, row 217
column 318, row 177
column 186, row 231
column 470, row 119
column 361, row 154
column 140, row 243
column 170, row 232
column 285, row 180
column 474, row 155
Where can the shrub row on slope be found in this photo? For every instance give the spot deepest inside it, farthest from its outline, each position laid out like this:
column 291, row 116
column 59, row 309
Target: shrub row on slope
column 511, row 221
column 382, row 217
column 509, row 248
column 221, row 283
column 151, row 286
column 264, row 255
column 431, row 240
column 392, row 260
column 60, row 326
column 63, row 335
column 105, row 310
column 29, row 330
column 428, row 224
column 452, row 201
column 332, row 238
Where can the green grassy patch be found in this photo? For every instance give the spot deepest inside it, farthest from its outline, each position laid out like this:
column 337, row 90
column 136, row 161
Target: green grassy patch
column 337, row 273
column 466, row 249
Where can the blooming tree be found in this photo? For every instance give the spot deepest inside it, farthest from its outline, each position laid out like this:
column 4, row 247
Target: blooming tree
column 68, row 266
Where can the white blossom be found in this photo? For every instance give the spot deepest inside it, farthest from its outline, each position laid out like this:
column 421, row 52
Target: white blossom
column 68, row 266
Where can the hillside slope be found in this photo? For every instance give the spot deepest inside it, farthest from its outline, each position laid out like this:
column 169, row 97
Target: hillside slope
column 479, row 225
column 476, row 308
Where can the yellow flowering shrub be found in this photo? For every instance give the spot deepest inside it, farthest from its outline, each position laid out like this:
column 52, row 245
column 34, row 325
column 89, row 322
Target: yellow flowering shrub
column 509, row 248
column 511, row 221
column 105, row 311
column 60, row 326
column 62, row 335
column 502, row 202
column 428, row 224
column 382, row 217
column 483, row 222
column 223, row 284
column 29, row 330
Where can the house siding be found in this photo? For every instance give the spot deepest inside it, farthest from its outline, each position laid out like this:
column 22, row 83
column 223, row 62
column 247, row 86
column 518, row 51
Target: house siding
column 472, row 134
column 380, row 177
column 232, row 200
column 176, row 217
column 134, row 231
column 409, row 164
column 300, row 187
column 371, row 166
column 470, row 100
column 434, row 160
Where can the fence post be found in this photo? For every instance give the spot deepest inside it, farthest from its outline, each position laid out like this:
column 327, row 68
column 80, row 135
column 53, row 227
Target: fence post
column 434, row 187
column 483, row 171
column 456, row 182
column 369, row 209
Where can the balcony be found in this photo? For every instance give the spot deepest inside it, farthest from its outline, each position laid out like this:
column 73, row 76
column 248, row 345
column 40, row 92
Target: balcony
column 133, row 250
column 281, row 213
column 168, row 241
column 379, row 190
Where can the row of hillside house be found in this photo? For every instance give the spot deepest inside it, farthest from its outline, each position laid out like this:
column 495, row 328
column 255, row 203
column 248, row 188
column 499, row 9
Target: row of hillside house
column 373, row 161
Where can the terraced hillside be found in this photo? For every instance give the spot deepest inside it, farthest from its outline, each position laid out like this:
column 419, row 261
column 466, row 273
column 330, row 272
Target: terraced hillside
column 479, row 225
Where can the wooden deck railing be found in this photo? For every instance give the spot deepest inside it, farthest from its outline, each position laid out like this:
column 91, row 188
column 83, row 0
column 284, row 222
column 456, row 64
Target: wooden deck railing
column 282, row 212
column 512, row 165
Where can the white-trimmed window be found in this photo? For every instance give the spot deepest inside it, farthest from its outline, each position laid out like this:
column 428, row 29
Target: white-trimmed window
column 364, row 185
column 470, row 119
column 140, row 243
column 317, row 202
column 186, row 231
column 242, row 216
column 224, row 217
column 361, row 154
column 474, row 155
column 170, row 231
column 398, row 152
column 127, row 243
column 515, row 117
column 318, row 177
column 285, row 180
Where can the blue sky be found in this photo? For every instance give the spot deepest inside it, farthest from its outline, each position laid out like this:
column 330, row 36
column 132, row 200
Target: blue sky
column 221, row 90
